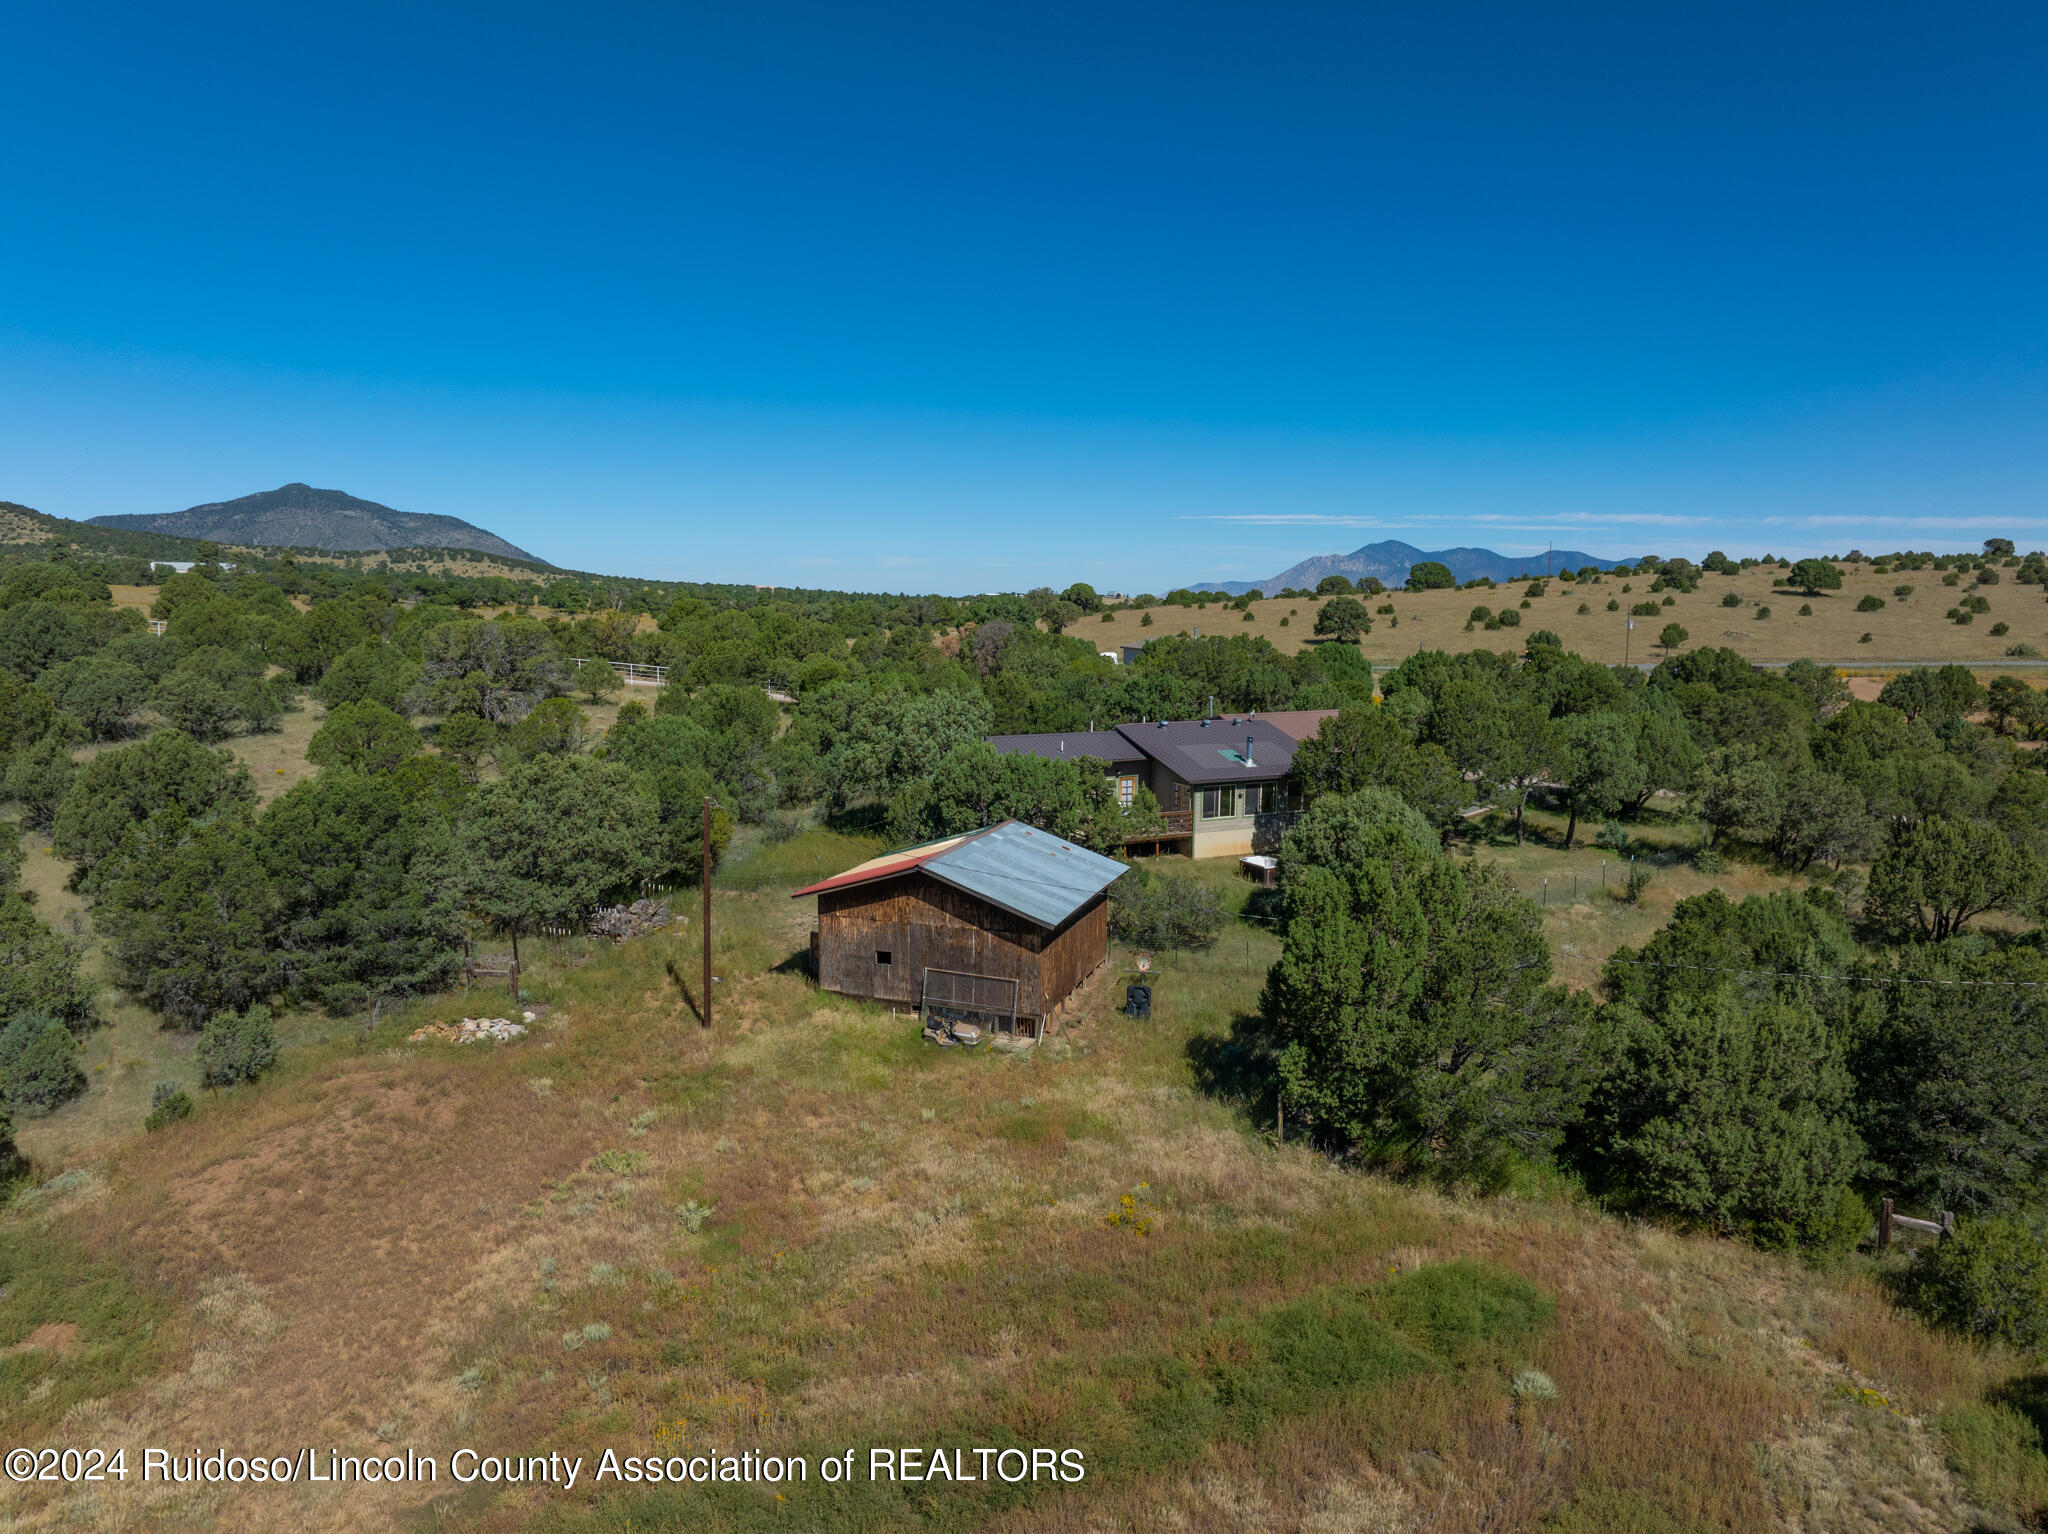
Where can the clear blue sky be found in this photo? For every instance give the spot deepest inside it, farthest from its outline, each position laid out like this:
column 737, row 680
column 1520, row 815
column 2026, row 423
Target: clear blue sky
column 961, row 297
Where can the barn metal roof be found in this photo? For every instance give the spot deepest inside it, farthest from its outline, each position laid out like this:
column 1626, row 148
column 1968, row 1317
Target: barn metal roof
column 1028, row 872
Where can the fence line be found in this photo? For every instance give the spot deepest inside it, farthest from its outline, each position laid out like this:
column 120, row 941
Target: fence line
column 632, row 672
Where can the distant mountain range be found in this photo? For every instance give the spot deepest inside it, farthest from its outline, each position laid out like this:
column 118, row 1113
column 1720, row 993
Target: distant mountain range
column 297, row 516
column 1391, row 561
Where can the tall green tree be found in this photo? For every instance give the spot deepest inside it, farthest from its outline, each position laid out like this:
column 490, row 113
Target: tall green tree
column 362, row 911
column 1599, row 769
column 120, row 789
column 1934, row 880
column 1952, row 1078
column 362, row 737
column 1727, row 1110
column 1344, row 619
column 103, row 694
column 1813, row 576
column 545, row 843
column 1409, row 1000
column 26, row 713
column 39, row 970
column 895, row 738
column 187, row 918
column 39, row 779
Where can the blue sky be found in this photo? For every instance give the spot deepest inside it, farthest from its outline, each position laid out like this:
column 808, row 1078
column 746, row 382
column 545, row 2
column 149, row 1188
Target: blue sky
column 971, row 297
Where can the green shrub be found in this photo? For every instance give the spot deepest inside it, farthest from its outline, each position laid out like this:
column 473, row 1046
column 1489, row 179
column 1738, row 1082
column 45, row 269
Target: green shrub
column 1730, row 1111
column 2000, row 1445
column 1647, row 610
column 1148, row 910
column 168, row 1103
column 1613, row 605
column 39, row 1064
column 1988, row 1281
column 1508, row 618
column 1731, row 599
column 1902, row 592
column 2000, row 630
column 1637, row 882
column 1456, row 1308
column 1763, row 612
column 12, row 1164
column 1870, row 603
column 1709, row 861
column 237, row 1046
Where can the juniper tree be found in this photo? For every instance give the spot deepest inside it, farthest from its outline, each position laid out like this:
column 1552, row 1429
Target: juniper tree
column 1409, row 1000
column 544, row 843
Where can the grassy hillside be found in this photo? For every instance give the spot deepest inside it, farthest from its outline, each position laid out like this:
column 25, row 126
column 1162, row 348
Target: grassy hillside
column 1906, row 631
column 805, row 1230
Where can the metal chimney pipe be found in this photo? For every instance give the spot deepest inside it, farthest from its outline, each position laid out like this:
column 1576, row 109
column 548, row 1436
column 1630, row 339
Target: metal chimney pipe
column 1248, row 752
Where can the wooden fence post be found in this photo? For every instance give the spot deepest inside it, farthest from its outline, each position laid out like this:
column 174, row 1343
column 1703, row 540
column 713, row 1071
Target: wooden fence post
column 1884, row 1224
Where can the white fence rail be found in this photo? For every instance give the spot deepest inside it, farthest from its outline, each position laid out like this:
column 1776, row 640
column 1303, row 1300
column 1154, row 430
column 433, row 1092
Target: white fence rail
column 631, row 672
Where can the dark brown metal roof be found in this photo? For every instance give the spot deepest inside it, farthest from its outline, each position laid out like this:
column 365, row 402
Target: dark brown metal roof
column 1214, row 750
column 1110, row 746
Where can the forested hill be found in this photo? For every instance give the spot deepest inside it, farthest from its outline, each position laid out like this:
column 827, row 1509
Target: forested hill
column 21, row 525
column 1391, row 560
column 297, row 516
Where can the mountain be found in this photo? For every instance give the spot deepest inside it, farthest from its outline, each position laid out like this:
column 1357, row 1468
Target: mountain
column 1390, row 561
column 299, row 517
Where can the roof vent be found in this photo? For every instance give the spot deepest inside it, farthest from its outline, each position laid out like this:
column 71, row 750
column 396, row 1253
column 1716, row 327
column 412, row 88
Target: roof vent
column 1205, row 724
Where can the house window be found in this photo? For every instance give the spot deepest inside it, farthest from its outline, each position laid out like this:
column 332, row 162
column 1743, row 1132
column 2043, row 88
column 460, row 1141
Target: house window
column 881, row 956
column 1254, row 797
column 1126, row 791
column 1230, row 800
column 1209, row 803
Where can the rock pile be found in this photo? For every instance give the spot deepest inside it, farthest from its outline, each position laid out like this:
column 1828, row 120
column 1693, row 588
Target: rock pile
column 473, row 1030
column 619, row 922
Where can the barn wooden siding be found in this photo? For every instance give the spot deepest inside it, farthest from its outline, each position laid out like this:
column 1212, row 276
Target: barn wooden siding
column 922, row 923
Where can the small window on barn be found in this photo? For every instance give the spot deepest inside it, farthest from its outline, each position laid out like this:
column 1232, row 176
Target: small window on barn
column 881, row 956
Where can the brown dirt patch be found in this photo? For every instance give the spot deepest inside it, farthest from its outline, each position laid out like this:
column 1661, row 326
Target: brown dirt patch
column 51, row 1336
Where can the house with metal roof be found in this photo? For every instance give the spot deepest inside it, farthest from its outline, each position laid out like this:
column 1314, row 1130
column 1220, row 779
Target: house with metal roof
column 999, row 925
column 1224, row 783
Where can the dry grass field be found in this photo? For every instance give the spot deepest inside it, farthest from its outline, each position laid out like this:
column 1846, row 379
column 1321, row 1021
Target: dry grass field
column 1908, row 631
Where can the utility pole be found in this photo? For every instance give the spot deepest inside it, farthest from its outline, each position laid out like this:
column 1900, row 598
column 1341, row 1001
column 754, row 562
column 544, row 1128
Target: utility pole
column 707, row 910
column 1626, row 638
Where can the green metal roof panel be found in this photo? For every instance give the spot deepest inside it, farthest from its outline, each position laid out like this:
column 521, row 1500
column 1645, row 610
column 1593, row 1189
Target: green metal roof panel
column 1027, row 872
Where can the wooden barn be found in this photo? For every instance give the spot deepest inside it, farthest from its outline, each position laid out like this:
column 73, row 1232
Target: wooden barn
column 1000, row 925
